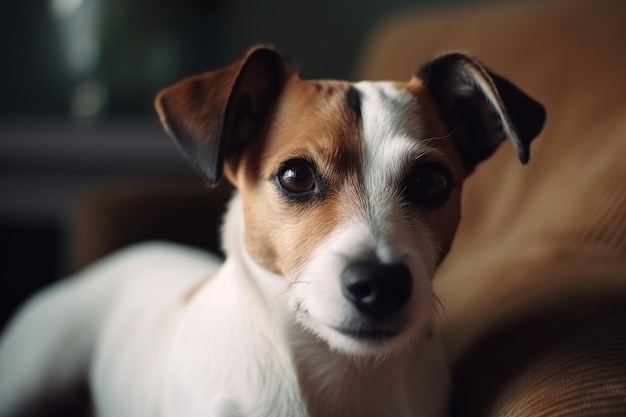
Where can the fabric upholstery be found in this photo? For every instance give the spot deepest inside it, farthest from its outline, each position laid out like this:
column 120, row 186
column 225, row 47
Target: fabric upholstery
column 563, row 362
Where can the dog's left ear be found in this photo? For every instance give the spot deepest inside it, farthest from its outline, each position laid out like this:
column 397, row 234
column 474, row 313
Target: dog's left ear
column 480, row 108
column 214, row 115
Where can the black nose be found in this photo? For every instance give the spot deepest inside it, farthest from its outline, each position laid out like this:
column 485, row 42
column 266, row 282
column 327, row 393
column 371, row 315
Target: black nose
column 377, row 290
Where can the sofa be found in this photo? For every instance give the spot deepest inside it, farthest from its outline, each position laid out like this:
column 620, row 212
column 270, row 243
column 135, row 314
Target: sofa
column 534, row 288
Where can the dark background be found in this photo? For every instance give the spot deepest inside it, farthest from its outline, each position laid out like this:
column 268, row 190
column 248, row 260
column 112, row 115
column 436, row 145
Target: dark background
column 77, row 79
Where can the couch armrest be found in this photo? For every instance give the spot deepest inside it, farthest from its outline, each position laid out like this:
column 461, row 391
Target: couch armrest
column 569, row 361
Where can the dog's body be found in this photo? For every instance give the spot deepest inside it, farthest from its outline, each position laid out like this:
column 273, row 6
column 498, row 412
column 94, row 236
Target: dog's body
column 348, row 200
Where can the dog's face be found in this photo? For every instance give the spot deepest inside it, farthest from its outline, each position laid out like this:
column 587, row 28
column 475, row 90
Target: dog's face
column 352, row 194
column 351, row 191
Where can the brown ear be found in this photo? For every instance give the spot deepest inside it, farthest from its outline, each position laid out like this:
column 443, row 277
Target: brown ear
column 480, row 108
column 215, row 114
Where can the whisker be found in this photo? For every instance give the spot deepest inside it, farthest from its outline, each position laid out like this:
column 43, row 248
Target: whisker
column 380, row 359
column 286, row 288
column 433, row 138
column 438, row 307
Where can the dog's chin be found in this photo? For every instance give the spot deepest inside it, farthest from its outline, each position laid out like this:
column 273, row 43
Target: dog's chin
column 366, row 339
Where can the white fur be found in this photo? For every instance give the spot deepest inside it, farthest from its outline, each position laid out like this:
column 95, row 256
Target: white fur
column 243, row 345
column 381, row 231
column 108, row 310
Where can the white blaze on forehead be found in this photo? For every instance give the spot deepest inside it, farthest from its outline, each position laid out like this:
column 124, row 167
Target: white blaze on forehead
column 380, row 230
column 391, row 131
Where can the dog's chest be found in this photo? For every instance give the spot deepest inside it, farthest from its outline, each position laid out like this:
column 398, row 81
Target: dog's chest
column 228, row 358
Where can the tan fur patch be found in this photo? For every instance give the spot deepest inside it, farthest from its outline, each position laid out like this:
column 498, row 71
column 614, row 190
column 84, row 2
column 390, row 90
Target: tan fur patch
column 193, row 290
column 312, row 122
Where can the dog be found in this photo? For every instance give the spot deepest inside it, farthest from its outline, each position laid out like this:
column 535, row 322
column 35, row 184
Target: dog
column 347, row 199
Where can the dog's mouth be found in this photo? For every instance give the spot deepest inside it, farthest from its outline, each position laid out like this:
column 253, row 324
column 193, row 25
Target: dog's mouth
column 369, row 334
column 365, row 337
column 374, row 336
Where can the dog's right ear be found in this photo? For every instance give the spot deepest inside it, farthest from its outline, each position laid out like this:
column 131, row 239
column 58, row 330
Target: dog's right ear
column 215, row 114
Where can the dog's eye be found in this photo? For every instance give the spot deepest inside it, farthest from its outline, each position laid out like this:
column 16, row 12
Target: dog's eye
column 296, row 177
column 430, row 185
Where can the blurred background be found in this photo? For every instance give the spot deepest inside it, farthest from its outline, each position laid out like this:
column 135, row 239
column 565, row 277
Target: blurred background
column 77, row 81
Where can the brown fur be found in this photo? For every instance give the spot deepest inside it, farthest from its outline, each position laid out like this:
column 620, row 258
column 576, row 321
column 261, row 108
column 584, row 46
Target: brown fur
column 281, row 234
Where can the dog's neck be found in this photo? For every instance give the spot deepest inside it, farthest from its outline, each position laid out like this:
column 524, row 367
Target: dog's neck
column 333, row 383
column 266, row 283
column 400, row 384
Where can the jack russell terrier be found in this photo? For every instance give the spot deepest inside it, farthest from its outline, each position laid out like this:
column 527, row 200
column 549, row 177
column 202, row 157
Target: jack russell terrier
column 348, row 197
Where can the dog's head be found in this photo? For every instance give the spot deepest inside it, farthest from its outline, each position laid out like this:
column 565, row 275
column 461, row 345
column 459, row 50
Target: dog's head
column 350, row 191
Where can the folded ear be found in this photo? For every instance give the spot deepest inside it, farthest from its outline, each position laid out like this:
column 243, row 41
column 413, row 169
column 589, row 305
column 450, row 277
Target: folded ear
column 215, row 114
column 480, row 108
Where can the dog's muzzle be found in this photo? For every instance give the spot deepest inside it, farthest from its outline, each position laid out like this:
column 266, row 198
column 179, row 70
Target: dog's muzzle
column 375, row 289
